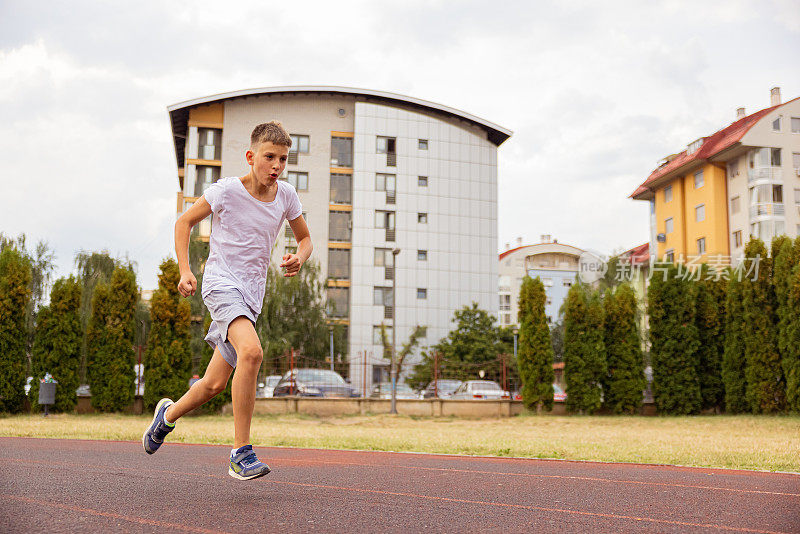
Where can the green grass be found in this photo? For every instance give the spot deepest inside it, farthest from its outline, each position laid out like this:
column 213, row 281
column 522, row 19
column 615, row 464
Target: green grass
column 769, row 443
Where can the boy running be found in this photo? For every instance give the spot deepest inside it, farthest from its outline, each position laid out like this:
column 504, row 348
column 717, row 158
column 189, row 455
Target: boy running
column 247, row 212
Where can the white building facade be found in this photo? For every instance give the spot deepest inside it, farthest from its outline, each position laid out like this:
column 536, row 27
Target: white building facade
column 376, row 172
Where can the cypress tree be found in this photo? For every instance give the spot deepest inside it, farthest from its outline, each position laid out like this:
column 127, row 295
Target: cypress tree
column 710, row 321
column 57, row 344
column 535, row 351
column 625, row 380
column 674, row 344
column 168, row 359
column 584, row 350
column 787, row 292
column 733, row 357
column 110, row 342
column 765, row 391
column 15, row 292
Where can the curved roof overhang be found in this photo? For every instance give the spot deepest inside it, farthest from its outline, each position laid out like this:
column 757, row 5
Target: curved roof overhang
column 179, row 113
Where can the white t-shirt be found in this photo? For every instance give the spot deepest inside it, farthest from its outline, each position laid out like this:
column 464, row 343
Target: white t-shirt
column 243, row 231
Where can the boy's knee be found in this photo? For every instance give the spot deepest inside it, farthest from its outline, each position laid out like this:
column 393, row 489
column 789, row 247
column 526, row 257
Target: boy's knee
column 251, row 354
column 213, row 387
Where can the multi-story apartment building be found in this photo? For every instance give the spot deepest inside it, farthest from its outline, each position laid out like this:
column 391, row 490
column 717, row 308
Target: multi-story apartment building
column 743, row 180
column 556, row 264
column 376, row 172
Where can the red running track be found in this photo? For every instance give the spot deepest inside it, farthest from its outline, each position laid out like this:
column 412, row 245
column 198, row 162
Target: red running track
column 106, row 486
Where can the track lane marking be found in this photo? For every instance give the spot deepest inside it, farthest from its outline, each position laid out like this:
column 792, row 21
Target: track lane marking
column 535, row 475
column 130, row 518
column 498, row 473
column 449, row 499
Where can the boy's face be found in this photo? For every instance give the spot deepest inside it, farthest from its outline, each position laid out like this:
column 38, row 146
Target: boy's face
column 267, row 161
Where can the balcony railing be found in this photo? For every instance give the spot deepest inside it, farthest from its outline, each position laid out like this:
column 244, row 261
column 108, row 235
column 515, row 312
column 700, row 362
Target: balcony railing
column 772, row 174
column 391, row 196
column 767, row 208
column 390, row 234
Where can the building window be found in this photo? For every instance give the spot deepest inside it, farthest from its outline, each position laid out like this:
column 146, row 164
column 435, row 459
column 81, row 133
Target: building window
column 505, row 318
column 796, row 162
column 386, row 145
column 700, row 213
column 385, row 182
column 735, row 204
column 777, row 193
column 422, row 293
column 206, row 175
column 668, row 226
column 339, row 226
column 422, row 181
column 376, row 335
column 209, row 143
column 341, row 188
column 423, row 144
column 566, row 282
column 797, row 197
column 339, row 263
column 384, row 219
column 505, row 302
column 299, row 180
column 299, row 143
column 775, row 157
column 382, row 296
column 342, row 151
column 737, row 239
column 733, row 169
column 698, row 180
column 776, row 125
column 422, row 255
column 384, row 257
column 795, row 124
column 694, row 146
column 701, row 245
column 669, row 256
column 338, row 303
column 668, row 193
column 422, row 218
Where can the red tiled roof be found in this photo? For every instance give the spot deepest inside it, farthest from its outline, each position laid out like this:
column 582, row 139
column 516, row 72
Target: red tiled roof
column 636, row 255
column 713, row 144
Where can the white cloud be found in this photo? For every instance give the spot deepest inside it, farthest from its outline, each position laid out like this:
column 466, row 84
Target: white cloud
column 595, row 95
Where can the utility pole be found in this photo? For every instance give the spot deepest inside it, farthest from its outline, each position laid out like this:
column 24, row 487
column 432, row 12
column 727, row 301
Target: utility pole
column 393, row 369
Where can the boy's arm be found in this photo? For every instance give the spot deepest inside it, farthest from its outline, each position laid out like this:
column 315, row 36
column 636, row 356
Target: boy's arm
column 183, row 227
column 293, row 262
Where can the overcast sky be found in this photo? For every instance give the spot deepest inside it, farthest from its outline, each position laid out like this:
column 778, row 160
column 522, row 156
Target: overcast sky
column 595, row 93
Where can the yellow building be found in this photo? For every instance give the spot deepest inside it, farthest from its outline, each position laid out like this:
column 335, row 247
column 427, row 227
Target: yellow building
column 706, row 201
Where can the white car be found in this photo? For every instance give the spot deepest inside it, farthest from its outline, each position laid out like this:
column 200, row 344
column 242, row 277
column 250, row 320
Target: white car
column 266, row 388
column 480, row 390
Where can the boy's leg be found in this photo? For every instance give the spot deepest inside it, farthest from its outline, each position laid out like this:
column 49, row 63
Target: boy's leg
column 213, row 382
column 244, row 339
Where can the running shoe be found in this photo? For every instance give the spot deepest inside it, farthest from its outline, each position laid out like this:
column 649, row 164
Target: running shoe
column 154, row 436
column 246, row 465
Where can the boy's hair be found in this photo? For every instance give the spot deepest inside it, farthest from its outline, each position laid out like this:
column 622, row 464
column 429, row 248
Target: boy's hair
column 271, row 131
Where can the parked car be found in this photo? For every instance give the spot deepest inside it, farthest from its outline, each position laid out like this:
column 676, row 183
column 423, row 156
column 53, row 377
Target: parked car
column 266, row 388
column 444, row 388
column 384, row 391
column 480, row 389
column 313, row 383
column 558, row 394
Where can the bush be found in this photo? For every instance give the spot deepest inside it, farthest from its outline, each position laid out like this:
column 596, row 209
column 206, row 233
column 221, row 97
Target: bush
column 168, row 359
column 15, row 292
column 57, row 344
column 625, row 380
column 535, row 351
column 584, row 349
column 110, row 340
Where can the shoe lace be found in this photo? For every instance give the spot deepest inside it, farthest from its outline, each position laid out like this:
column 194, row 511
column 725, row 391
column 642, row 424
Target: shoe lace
column 249, row 460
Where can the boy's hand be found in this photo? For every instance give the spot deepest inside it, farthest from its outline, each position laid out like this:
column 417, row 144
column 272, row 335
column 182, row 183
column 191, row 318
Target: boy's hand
column 188, row 284
column 291, row 263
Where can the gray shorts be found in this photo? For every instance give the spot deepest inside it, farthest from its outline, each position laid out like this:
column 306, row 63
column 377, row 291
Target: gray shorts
column 225, row 306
